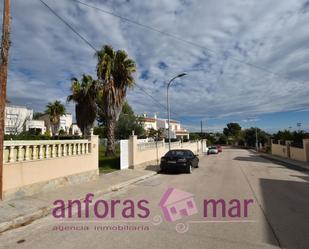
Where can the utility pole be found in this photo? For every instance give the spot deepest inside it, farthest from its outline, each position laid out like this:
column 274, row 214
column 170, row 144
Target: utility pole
column 5, row 45
column 256, row 139
column 202, row 134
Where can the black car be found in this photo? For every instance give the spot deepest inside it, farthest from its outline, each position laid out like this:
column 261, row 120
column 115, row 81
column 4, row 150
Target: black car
column 179, row 160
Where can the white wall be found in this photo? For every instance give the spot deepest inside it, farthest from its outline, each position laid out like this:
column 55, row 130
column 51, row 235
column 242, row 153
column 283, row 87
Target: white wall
column 15, row 118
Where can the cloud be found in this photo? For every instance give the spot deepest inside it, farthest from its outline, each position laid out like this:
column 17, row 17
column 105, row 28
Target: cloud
column 45, row 54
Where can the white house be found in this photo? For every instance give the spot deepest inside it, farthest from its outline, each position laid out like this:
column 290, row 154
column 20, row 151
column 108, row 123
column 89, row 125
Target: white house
column 16, row 118
column 75, row 130
column 176, row 131
column 36, row 126
column 149, row 123
column 66, row 122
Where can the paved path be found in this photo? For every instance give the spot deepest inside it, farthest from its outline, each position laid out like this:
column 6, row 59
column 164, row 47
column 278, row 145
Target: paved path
column 279, row 217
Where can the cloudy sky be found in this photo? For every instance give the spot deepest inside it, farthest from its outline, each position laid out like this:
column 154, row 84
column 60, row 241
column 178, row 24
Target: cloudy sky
column 244, row 58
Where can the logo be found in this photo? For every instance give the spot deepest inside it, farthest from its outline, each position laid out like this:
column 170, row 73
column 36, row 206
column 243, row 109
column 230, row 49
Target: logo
column 177, row 204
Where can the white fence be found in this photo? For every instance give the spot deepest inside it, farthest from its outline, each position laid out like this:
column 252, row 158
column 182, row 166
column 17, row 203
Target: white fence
column 20, row 151
column 124, row 154
column 136, row 152
column 34, row 166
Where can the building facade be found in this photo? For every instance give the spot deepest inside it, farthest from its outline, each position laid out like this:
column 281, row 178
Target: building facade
column 20, row 118
column 176, row 131
column 16, row 118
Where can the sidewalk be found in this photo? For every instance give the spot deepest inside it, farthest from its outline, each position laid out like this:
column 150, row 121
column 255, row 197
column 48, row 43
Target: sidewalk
column 18, row 212
column 297, row 164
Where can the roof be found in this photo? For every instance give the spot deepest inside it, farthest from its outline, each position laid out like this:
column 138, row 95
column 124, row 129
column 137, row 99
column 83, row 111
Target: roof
column 175, row 121
column 181, row 132
column 173, row 195
column 148, row 119
column 17, row 106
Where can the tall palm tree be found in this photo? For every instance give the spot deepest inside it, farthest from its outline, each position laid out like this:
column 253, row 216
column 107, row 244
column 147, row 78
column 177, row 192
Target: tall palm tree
column 115, row 73
column 84, row 94
column 54, row 111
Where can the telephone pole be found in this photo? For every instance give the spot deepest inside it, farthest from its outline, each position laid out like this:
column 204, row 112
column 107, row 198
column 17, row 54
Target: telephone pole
column 5, row 45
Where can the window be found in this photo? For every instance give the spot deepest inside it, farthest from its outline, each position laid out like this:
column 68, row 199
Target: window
column 190, row 204
column 173, row 210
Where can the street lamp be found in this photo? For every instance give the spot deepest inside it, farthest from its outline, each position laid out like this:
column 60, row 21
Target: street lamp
column 168, row 107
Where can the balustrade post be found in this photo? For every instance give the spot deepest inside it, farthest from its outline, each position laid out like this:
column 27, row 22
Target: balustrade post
column 69, row 150
column 41, row 155
column 47, row 151
column 83, row 148
column 59, row 150
column 74, row 149
column 27, row 157
column 34, row 152
column 20, row 155
column 87, row 148
column 11, row 154
column 53, row 152
column 64, row 149
column 78, row 149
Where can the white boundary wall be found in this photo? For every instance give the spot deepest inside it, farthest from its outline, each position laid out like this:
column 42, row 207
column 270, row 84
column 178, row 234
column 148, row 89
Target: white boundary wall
column 145, row 154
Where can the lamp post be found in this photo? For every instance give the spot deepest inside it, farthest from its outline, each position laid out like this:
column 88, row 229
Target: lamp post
column 168, row 107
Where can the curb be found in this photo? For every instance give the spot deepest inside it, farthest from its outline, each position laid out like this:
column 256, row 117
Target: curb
column 282, row 160
column 292, row 164
column 45, row 211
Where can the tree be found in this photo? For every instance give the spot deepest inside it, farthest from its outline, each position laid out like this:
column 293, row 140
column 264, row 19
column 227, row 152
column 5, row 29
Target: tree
column 232, row 132
column 54, row 111
column 222, row 139
column 115, row 73
column 233, row 129
column 249, row 136
column 127, row 123
column 84, row 95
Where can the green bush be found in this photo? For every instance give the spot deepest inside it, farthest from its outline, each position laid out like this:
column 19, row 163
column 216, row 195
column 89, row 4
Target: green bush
column 27, row 136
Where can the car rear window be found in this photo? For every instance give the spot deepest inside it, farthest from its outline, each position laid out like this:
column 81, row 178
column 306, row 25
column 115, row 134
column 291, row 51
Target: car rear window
column 177, row 153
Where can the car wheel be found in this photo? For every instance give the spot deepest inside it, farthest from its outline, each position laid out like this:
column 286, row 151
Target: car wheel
column 189, row 171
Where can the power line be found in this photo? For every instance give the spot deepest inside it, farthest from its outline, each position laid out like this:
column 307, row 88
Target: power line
column 176, row 37
column 68, row 25
column 91, row 46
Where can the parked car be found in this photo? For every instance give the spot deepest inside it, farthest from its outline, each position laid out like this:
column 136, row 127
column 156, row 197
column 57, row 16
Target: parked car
column 179, row 160
column 219, row 147
column 212, row 150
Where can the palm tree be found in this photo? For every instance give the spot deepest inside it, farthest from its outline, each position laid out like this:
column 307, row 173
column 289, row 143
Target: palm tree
column 54, row 111
column 115, row 73
column 84, row 94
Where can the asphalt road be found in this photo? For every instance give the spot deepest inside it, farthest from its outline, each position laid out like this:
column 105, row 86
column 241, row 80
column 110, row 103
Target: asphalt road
column 278, row 217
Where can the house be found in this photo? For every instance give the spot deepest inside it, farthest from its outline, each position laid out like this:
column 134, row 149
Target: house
column 65, row 122
column 176, row 131
column 75, row 130
column 35, row 126
column 16, row 118
column 177, row 204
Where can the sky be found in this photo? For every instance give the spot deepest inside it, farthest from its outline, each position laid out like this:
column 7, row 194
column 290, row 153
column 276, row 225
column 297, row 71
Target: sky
column 246, row 61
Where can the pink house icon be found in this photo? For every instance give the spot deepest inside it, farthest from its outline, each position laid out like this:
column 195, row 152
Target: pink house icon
column 177, row 204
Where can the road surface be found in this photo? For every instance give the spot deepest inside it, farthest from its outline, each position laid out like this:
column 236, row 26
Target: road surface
column 278, row 217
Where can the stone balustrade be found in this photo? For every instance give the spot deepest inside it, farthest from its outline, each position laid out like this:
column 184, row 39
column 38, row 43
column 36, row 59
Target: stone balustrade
column 21, row 151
